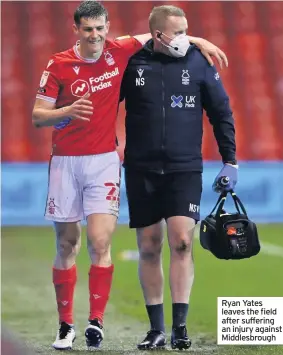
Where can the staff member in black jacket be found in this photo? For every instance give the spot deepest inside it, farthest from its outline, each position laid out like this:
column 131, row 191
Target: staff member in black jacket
column 166, row 86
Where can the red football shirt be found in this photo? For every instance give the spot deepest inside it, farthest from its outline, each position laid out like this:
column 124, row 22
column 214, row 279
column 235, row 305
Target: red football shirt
column 68, row 77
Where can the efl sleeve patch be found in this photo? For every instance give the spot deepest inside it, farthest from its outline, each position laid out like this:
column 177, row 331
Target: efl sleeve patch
column 49, row 82
column 44, row 78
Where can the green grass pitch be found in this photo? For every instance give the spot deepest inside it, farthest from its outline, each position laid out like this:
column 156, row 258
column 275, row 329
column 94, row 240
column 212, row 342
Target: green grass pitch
column 29, row 309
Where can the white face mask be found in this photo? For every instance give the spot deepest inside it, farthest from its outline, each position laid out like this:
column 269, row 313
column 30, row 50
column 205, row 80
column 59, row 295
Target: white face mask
column 178, row 46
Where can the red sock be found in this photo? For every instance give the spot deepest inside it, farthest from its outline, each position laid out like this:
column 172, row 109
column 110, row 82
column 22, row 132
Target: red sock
column 100, row 281
column 64, row 282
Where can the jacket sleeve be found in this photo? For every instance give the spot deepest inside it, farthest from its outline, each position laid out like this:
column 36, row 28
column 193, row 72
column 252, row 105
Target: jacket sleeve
column 123, row 86
column 122, row 91
column 215, row 101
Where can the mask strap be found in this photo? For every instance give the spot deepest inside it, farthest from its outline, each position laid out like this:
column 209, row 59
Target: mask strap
column 162, row 33
column 165, row 44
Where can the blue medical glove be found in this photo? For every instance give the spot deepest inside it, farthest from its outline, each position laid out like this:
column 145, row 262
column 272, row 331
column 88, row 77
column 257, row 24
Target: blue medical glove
column 221, row 184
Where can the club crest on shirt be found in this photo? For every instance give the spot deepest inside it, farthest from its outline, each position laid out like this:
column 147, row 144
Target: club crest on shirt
column 44, row 78
column 109, row 58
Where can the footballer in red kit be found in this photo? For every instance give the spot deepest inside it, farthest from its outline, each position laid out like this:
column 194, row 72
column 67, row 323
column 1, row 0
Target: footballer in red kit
column 75, row 77
column 78, row 95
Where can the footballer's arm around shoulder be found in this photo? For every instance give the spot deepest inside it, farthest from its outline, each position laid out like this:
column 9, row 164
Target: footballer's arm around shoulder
column 143, row 38
column 44, row 113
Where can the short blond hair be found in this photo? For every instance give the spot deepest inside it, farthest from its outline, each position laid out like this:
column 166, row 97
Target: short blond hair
column 159, row 13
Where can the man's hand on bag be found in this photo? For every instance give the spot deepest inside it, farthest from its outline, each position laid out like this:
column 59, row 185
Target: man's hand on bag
column 222, row 185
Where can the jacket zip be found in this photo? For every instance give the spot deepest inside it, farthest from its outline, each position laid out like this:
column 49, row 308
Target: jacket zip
column 163, row 119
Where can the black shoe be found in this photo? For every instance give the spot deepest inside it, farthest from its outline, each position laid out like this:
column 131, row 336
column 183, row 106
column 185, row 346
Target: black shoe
column 94, row 334
column 155, row 339
column 179, row 338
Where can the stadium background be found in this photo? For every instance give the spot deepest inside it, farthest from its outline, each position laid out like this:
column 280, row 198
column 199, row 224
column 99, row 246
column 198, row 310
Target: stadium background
column 251, row 34
column 32, row 31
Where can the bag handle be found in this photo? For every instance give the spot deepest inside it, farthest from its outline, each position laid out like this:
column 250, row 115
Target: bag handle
column 237, row 202
column 221, row 199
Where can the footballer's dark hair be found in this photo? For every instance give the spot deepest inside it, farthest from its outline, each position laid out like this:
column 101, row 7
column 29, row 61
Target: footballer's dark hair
column 90, row 9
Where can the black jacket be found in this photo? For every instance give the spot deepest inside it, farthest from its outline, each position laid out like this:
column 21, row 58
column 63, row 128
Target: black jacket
column 164, row 99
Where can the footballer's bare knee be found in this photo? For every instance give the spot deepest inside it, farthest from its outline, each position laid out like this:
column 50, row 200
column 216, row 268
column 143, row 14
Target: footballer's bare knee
column 180, row 234
column 182, row 245
column 99, row 249
column 100, row 228
column 68, row 243
column 150, row 241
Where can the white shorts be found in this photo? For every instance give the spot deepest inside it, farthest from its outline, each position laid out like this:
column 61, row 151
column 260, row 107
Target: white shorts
column 83, row 185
